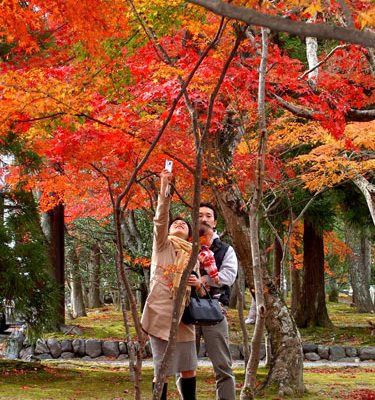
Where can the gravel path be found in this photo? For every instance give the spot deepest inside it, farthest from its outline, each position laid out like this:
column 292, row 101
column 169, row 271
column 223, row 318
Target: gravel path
column 205, row 362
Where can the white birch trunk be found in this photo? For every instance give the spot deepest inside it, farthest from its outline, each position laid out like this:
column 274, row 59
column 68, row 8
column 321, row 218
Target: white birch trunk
column 368, row 190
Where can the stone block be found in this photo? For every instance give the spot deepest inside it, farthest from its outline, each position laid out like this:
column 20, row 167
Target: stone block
column 41, row 347
column 93, row 348
column 312, row 356
column 79, row 347
column 309, row 348
column 336, row 352
column 110, row 349
column 54, row 347
column 323, row 352
column 66, row 346
column 44, row 356
column 66, row 355
column 124, row 348
column 367, row 353
column 26, row 353
column 351, row 351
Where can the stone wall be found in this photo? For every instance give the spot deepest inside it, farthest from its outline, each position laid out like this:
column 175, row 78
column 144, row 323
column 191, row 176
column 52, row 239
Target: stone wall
column 92, row 349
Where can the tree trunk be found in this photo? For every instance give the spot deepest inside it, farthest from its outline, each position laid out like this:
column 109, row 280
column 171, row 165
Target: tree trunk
column 288, row 358
column 277, row 259
column 76, row 289
column 132, row 236
column 296, row 278
column 2, row 209
column 312, row 310
column 240, row 308
column 56, row 241
column 286, row 362
column 368, row 190
column 125, row 290
column 94, row 277
column 360, row 269
column 78, row 306
column 238, row 290
column 333, row 294
column 287, row 366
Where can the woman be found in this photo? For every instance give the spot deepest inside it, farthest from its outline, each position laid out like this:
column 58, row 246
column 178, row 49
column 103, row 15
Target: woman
column 170, row 255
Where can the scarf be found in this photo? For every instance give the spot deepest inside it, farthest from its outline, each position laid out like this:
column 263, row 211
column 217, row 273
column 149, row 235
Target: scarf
column 183, row 251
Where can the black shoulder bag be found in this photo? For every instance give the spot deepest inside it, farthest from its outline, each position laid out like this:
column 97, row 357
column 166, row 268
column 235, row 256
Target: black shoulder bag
column 202, row 311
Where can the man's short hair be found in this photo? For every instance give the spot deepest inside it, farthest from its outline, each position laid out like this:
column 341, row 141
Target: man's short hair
column 186, row 222
column 210, row 206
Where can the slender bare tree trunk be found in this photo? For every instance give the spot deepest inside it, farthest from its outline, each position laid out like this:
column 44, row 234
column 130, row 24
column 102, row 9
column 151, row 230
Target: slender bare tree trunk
column 248, row 390
column 76, row 288
column 240, row 308
column 368, row 190
column 277, row 259
column 360, row 269
column 94, row 277
column 312, row 56
column 125, row 290
column 2, row 208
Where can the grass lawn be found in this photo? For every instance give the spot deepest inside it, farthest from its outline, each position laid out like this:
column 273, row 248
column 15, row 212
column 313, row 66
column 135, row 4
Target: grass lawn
column 75, row 380
column 350, row 328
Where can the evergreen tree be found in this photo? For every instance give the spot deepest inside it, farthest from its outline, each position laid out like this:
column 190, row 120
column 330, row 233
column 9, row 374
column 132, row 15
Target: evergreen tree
column 25, row 269
column 26, row 277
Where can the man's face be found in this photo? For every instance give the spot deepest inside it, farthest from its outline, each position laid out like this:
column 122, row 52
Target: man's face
column 207, row 215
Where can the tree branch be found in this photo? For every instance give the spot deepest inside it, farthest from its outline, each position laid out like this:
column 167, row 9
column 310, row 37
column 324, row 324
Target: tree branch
column 348, row 16
column 323, row 61
column 279, row 24
column 352, row 115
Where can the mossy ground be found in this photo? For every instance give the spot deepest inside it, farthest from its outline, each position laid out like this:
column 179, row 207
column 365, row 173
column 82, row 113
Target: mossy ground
column 77, row 380
column 350, row 328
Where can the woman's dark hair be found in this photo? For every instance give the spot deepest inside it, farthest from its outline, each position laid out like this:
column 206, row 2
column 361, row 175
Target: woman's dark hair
column 209, row 205
column 186, row 222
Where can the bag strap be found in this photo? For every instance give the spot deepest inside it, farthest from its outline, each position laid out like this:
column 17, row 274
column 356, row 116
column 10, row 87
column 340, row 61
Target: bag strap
column 195, row 294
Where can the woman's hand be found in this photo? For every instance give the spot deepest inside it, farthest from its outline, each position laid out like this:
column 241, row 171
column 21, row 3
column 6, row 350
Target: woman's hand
column 165, row 180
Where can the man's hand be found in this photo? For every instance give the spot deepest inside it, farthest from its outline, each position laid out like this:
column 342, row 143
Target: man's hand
column 204, row 282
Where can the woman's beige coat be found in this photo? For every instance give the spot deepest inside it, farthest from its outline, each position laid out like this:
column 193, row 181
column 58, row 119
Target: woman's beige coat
column 157, row 313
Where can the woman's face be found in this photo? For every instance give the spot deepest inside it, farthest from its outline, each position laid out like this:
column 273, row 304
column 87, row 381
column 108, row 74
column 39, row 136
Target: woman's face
column 179, row 228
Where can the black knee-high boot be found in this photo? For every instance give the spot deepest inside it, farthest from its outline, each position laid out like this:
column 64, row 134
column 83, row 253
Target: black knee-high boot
column 164, row 393
column 187, row 387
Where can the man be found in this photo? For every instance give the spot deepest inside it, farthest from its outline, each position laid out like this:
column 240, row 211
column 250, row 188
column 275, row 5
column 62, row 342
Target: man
column 216, row 337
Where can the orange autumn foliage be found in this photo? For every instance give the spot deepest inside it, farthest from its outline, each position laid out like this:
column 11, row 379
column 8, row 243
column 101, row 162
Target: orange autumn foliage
column 91, row 120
